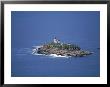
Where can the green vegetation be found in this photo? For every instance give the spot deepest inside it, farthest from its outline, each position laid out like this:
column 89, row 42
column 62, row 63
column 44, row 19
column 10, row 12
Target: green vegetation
column 62, row 49
column 63, row 46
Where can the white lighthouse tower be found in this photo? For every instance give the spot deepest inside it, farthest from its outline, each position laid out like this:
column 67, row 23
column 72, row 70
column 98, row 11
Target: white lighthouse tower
column 55, row 40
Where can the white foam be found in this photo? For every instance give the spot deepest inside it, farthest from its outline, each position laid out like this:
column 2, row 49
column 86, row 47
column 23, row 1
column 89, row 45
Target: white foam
column 35, row 49
column 50, row 55
column 55, row 55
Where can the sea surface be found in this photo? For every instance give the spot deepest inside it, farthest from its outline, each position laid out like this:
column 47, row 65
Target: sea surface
column 25, row 64
column 34, row 28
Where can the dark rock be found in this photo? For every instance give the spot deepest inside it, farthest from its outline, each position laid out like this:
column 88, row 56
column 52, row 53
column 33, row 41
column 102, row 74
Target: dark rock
column 62, row 49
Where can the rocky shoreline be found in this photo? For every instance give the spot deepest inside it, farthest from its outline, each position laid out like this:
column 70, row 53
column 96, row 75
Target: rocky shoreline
column 61, row 49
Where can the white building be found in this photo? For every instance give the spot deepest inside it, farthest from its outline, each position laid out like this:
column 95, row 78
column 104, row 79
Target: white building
column 56, row 41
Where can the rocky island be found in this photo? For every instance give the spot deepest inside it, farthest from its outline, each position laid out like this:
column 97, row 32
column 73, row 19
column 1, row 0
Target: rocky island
column 62, row 49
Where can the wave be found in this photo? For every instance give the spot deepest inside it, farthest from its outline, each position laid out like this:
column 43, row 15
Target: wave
column 52, row 55
column 55, row 55
column 21, row 51
column 33, row 51
column 35, row 48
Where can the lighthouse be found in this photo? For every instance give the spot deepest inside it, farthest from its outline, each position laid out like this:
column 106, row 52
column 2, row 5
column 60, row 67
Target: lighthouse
column 56, row 41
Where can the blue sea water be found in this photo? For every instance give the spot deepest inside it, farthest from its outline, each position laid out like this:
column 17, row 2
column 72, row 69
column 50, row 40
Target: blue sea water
column 35, row 28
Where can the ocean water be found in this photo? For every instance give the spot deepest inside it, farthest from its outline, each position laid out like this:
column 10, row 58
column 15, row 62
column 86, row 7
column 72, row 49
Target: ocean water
column 36, row 28
column 24, row 63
